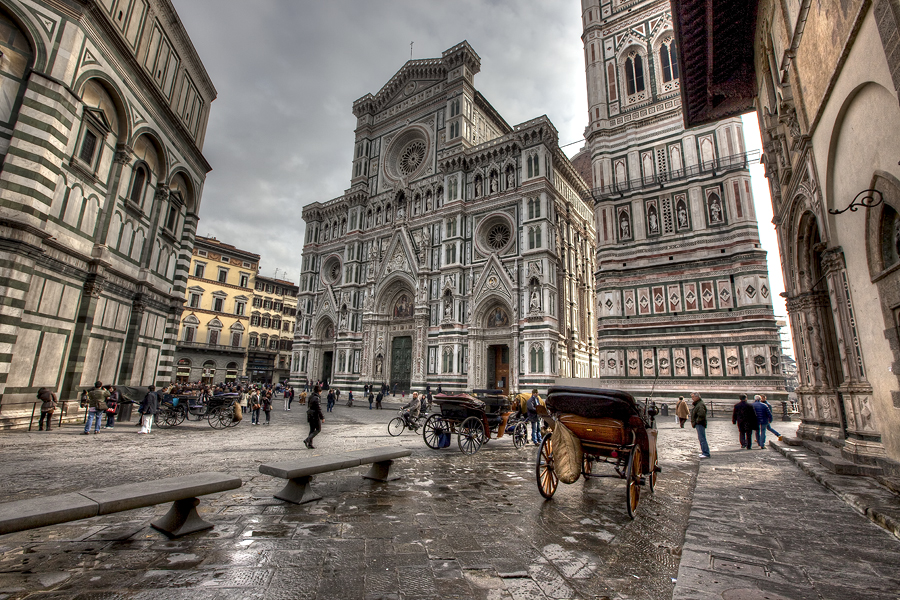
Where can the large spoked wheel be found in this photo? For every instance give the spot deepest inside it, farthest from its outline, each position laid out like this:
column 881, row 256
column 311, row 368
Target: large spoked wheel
column 471, row 435
column 216, row 419
column 233, row 422
column 633, row 481
column 547, row 480
column 396, row 426
column 177, row 416
column 520, row 435
column 431, row 432
column 164, row 417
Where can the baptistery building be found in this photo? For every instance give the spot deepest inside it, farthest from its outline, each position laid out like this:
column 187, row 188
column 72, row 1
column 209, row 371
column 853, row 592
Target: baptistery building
column 462, row 253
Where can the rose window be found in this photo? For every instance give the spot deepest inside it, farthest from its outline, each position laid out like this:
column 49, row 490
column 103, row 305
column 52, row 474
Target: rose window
column 411, row 157
column 498, row 236
column 335, row 271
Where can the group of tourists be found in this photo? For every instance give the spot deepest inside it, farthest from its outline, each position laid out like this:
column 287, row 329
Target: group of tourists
column 752, row 420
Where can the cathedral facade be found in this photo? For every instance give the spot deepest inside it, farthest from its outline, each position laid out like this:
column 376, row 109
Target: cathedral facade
column 461, row 256
column 683, row 297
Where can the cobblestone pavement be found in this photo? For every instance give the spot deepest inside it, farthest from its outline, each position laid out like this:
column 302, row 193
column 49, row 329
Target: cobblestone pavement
column 760, row 528
column 453, row 527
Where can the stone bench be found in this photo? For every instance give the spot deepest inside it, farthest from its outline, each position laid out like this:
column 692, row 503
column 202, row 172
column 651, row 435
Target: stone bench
column 299, row 472
column 181, row 519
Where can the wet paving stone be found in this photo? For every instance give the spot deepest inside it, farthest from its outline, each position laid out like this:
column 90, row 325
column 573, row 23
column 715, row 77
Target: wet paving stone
column 453, row 527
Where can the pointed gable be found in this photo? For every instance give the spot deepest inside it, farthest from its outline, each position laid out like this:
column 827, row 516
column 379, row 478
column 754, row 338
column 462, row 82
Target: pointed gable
column 400, row 255
column 494, row 280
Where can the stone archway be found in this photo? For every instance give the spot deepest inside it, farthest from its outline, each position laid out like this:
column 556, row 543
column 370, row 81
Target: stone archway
column 493, row 346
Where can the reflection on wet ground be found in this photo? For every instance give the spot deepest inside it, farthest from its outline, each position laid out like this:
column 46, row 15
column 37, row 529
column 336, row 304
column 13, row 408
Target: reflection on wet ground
column 453, row 527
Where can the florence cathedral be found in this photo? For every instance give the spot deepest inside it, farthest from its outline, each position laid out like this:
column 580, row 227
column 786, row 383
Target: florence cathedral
column 460, row 256
column 472, row 254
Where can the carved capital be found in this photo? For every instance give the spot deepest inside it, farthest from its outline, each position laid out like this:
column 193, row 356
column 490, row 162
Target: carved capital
column 833, row 260
column 123, row 154
column 93, row 287
column 162, row 194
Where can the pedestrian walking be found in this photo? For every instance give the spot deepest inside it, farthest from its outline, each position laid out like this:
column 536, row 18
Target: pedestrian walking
column 350, row 398
column 371, row 400
column 48, row 405
column 149, row 408
column 769, row 424
column 96, row 405
column 112, row 405
column 698, row 422
column 290, row 393
column 245, row 399
column 531, row 411
column 266, row 406
column 255, row 406
column 682, row 411
column 285, row 397
column 314, row 416
column 744, row 417
column 330, row 401
column 378, row 400
column 395, row 391
column 763, row 418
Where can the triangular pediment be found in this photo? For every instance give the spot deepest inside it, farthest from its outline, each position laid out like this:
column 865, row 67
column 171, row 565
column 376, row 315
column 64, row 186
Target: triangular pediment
column 399, row 256
column 413, row 78
column 494, row 280
column 328, row 307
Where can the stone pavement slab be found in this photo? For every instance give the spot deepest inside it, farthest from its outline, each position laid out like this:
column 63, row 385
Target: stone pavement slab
column 454, row 526
column 761, row 528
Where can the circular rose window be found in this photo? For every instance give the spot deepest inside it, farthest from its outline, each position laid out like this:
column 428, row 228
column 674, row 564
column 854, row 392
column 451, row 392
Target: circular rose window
column 332, row 271
column 494, row 234
column 498, row 236
column 407, row 154
column 411, row 157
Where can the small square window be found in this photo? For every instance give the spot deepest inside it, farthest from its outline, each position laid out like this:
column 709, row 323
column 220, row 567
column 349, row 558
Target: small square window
column 199, row 270
column 223, row 275
column 225, row 259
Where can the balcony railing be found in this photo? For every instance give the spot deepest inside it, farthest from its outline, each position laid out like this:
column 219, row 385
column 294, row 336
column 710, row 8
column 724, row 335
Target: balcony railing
column 723, row 164
column 205, row 346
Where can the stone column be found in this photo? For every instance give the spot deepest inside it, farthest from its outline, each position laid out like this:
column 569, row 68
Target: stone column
column 863, row 441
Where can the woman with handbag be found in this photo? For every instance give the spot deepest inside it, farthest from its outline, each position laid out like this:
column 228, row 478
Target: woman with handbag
column 112, row 405
column 266, row 406
column 48, row 405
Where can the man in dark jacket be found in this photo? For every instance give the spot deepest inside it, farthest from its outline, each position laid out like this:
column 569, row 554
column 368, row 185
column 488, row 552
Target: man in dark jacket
column 148, row 408
column 314, row 416
column 698, row 422
column 763, row 418
column 745, row 417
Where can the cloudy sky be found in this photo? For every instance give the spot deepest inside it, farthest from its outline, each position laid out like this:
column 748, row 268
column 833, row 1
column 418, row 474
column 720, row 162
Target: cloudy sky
column 280, row 134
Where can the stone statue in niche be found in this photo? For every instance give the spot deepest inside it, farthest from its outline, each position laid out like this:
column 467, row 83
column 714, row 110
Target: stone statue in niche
column 448, row 307
column 379, row 365
column 535, row 301
column 493, row 182
column 682, row 216
column 624, row 225
column 478, row 187
column 510, row 179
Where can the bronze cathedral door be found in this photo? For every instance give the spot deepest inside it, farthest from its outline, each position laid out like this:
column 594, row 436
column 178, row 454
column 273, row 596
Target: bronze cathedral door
column 401, row 363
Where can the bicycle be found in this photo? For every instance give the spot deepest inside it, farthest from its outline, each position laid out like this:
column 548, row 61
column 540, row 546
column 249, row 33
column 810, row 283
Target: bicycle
column 401, row 422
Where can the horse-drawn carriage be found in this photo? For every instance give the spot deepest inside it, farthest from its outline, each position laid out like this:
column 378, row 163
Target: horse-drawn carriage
column 473, row 420
column 194, row 405
column 591, row 426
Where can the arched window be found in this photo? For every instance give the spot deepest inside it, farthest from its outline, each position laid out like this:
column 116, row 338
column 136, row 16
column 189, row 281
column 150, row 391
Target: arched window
column 668, row 59
column 137, row 185
column 634, row 74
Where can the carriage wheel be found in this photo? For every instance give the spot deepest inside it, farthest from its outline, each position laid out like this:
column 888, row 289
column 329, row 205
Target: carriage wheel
column 177, row 415
column 233, row 422
column 633, row 481
column 215, row 421
column 547, row 480
column 226, row 416
column 653, row 474
column 471, row 435
column 431, row 432
column 163, row 417
column 520, row 435
column 396, row 426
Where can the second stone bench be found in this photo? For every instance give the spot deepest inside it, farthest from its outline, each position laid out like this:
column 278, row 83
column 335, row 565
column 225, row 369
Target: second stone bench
column 299, row 472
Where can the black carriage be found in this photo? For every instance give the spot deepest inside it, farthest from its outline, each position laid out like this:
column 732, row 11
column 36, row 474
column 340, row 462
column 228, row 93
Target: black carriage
column 218, row 410
column 611, row 428
column 473, row 420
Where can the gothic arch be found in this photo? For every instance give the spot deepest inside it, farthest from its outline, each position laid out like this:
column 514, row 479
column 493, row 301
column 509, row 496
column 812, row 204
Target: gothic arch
column 391, row 288
column 485, row 307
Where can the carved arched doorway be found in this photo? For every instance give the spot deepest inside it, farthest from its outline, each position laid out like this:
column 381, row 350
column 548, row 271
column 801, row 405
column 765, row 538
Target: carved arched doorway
column 323, row 349
column 495, row 345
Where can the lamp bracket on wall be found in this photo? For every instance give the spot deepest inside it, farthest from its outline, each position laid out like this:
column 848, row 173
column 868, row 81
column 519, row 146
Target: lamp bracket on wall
column 866, row 198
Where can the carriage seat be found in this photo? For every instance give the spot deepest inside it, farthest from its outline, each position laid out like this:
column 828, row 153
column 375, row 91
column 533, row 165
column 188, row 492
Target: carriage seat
column 299, row 473
column 181, row 519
